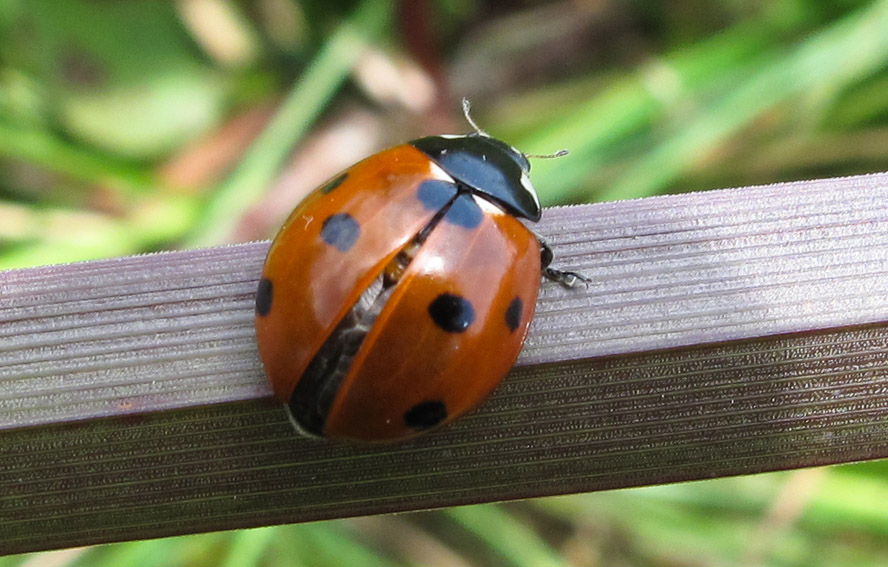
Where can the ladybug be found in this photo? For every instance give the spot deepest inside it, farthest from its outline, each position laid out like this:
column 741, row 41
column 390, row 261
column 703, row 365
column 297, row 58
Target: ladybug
column 398, row 295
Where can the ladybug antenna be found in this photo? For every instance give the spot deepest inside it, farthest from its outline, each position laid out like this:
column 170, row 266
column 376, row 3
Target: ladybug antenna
column 558, row 154
column 467, row 112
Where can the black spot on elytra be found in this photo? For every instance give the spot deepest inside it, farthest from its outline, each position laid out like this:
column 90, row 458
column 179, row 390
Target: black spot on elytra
column 263, row 297
column 340, row 230
column 513, row 314
column 434, row 194
column 425, row 415
column 464, row 212
column 334, row 183
column 452, row 313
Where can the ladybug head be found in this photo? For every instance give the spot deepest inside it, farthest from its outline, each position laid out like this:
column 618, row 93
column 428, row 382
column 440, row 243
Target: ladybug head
column 514, row 153
column 488, row 167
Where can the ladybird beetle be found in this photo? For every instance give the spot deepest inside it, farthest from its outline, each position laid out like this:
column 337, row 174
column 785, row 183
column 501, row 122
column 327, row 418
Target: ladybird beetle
column 398, row 294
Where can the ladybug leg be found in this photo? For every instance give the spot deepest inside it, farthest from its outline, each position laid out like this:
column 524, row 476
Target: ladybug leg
column 567, row 279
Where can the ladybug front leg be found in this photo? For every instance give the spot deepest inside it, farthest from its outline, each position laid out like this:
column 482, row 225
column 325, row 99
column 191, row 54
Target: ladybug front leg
column 567, row 279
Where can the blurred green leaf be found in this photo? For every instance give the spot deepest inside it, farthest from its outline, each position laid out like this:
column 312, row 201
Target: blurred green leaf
column 123, row 78
column 248, row 547
column 38, row 146
column 327, row 544
column 52, row 236
column 298, row 111
column 849, row 49
column 516, row 543
column 593, row 128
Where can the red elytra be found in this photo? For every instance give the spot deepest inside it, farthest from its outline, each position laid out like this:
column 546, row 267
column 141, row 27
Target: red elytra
column 398, row 295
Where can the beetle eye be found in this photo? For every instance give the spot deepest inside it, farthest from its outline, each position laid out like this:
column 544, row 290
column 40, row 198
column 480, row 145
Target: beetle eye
column 522, row 160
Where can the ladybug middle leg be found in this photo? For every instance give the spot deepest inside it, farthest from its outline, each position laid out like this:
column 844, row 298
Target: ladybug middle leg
column 565, row 278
